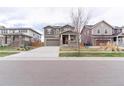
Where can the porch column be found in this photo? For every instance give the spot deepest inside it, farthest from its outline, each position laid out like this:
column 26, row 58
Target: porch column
column 69, row 38
column 117, row 40
column 61, row 41
column 20, row 40
column 12, row 39
column 2, row 40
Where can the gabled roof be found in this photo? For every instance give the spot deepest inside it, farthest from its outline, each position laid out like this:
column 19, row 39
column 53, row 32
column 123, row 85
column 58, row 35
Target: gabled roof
column 102, row 22
column 66, row 26
column 89, row 26
column 69, row 31
column 48, row 26
column 58, row 26
column 92, row 26
column 117, row 27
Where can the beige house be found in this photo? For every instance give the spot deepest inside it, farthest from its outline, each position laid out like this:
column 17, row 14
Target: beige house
column 18, row 36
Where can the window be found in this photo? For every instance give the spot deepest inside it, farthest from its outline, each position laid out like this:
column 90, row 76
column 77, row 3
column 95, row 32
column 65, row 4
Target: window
column 16, row 31
column 73, row 37
column 20, row 31
column 85, row 33
column 98, row 31
column 49, row 31
column 24, row 31
column 4, row 31
column 67, row 28
column 105, row 31
column 88, row 32
column 57, row 31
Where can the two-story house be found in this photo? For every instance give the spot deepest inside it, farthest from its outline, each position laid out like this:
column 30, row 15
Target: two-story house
column 18, row 36
column 101, row 33
column 60, row 36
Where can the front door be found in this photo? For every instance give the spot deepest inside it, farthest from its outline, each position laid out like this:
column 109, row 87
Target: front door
column 65, row 39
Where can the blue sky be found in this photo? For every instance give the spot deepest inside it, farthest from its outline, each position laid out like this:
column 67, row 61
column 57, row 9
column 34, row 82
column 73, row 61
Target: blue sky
column 38, row 17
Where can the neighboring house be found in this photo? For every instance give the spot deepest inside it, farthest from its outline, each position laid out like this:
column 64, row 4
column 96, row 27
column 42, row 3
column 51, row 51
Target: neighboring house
column 18, row 36
column 60, row 36
column 101, row 33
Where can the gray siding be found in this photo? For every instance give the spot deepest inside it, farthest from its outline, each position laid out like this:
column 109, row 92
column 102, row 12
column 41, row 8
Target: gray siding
column 52, row 34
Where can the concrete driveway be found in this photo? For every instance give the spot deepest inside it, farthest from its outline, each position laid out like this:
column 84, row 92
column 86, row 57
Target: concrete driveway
column 38, row 53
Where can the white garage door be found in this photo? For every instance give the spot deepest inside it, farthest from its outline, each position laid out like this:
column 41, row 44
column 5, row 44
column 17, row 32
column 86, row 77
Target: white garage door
column 52, row 42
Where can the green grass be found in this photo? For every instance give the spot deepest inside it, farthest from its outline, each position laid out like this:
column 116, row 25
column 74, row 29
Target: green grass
column 75, row 54
column 7, row 48
column 81, row 49
column 2, row 54
column 89, row 52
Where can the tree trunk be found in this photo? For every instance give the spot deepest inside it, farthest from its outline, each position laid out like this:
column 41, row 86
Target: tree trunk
column 78, row 44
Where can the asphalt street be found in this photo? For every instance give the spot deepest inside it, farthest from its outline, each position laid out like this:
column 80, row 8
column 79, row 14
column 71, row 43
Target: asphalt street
column 61, row 73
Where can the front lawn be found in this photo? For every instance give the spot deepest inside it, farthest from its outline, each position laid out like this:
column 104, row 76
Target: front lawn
column 90, row 54
column 7, row 48
column 2, row 54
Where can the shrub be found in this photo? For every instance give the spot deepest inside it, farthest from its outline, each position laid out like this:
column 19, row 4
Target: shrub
column 24, row 48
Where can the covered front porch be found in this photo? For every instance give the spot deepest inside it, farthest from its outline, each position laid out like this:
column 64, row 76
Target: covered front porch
column 120, row 40
column 69, row 39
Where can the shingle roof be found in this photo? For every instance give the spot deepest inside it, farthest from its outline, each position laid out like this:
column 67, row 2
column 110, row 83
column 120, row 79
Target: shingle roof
column 58, row 26
column 117, row 27
column 21, row 29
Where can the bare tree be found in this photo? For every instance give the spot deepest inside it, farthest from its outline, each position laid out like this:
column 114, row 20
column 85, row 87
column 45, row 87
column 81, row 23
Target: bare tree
column 79, row 18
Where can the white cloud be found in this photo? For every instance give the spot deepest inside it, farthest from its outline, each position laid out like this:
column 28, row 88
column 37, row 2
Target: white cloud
column 37, row 17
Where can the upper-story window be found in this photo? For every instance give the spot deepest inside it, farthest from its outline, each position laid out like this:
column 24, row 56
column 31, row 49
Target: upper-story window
column 4, row 31
column 49, row 31
column 98, row 31
column 57, row 31
column 16, row 31
column 122, row 30
column 67, row 28
column 105, row 31
column 24, row 31
column 20, row 31
column 33, row 34
column 88, row 32
column 0, row 32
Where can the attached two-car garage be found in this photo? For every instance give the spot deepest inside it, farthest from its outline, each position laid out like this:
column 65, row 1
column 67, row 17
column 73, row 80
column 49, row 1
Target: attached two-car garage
column 52, row 42
column 103, row 42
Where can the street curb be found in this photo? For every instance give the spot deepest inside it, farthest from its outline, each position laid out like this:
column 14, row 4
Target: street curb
column 65, row 58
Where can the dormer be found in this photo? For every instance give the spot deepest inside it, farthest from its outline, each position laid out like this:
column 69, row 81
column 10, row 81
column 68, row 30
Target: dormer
column 67, row 28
